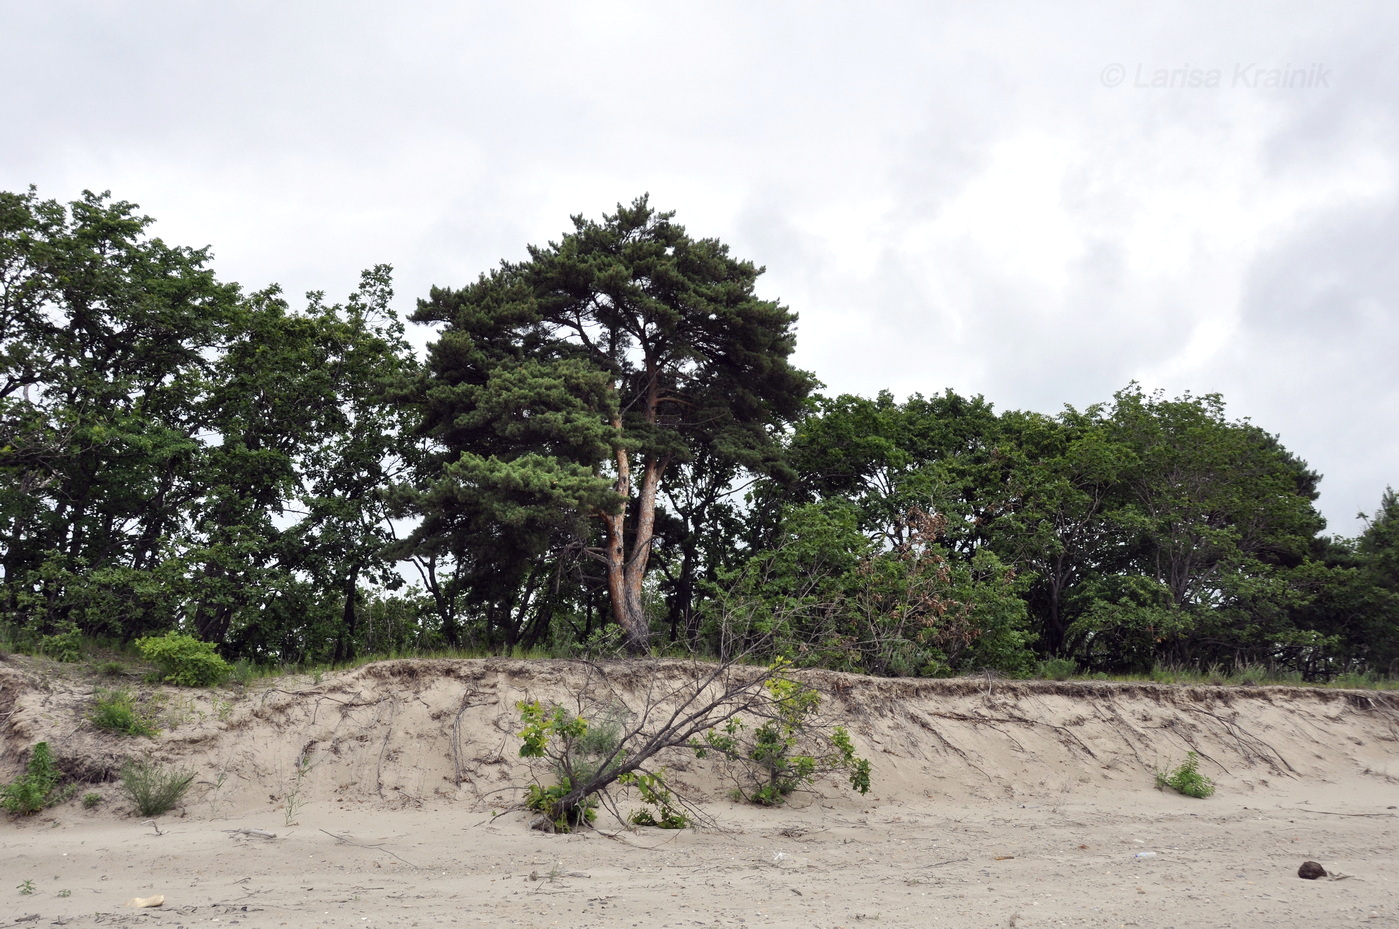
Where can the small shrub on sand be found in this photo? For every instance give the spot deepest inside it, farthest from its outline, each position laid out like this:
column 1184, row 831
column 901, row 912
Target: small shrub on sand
column 154, row 788
column 1186, row 779
column 34, row 790
column 184, row 660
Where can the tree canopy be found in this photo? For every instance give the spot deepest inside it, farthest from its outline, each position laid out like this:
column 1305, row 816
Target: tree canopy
column 607, row 439
column 568, row 387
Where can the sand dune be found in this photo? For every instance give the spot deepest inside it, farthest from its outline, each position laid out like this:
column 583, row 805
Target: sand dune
column 390, row 792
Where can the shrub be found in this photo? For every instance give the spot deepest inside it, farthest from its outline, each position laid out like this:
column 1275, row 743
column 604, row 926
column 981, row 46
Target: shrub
column 788, row 750
column 65, row 645
column 116, row 711
column 575, row 761
column 184, row 660
column 91, row 800
column 154, row 788
column 700, row 713
column 1186, row 779
column 32, row 792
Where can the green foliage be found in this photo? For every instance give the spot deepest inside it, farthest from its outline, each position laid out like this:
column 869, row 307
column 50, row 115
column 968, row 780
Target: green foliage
column 1056, row 669
column 184, row 660
column 1186, row 779
column 563, row 812
column 829, row 594
column 91, row 800
column 566, row 390
column 788, row 750
column 154, row 788
column 25, row 888
column 66, row 646
column 33, row 790
column 116, row 711
column 576, row 761
column 663, row 812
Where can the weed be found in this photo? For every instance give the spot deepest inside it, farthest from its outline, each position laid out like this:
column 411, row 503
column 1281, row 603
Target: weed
column 111, row 669
column 33, row 791
column 65, row 893
column 25, row 888
column 154, row 788
column 294, row 801
column 91, row 800
column 1057, row 669
column 244, row 672
column 223, row 709
column 116, row 711
column 1186, row 779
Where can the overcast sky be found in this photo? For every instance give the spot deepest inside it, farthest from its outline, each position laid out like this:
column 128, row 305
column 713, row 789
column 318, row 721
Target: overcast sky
column 987, row 197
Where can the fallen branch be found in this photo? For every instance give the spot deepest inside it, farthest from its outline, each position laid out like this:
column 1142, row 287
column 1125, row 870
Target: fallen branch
column 260, row 833
column 380, row 847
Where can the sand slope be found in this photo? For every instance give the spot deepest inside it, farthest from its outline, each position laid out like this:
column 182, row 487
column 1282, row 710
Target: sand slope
column 995, row 803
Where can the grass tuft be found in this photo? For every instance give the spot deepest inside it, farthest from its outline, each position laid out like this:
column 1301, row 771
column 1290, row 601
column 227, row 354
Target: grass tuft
column 154, row 788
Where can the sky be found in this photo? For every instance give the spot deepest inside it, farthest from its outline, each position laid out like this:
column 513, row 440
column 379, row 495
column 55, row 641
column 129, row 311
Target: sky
column 1037, row 203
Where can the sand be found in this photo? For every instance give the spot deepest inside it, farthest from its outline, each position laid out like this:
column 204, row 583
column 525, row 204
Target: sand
column 390, row 794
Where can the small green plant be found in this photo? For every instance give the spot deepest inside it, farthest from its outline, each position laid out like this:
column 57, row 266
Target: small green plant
column 32, row 792
column 154, row 788
column 184, row 660
column 1056, row 669
column 116, row 711
column 91, row 800
column 111, row 669
column 65, row 893
column 244, row 672
column 25, row 888
column 788, row 750
column 293, row 801
column 663, row 812
column 563, row 812
column 1186, row 779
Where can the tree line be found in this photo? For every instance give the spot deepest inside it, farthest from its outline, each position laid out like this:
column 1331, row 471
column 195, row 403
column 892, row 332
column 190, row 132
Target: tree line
column 607, row 443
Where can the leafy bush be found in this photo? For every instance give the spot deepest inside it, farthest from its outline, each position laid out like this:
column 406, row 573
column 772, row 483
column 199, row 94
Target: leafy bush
column 154, row 788
column 700, row 713
column 787, row 751
column 65, row 645
column 116, row 711
column 1186, row 779
column 184, row 660
column 575, row 762
column 32, row 792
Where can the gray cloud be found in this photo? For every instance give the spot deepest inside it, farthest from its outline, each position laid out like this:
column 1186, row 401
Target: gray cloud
column 947, row 197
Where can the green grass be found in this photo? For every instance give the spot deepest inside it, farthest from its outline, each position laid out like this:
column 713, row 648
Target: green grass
column 115, row 710
column 154, row 788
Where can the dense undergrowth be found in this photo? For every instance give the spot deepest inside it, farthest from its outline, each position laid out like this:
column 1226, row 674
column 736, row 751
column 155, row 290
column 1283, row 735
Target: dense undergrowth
column 117, row 661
